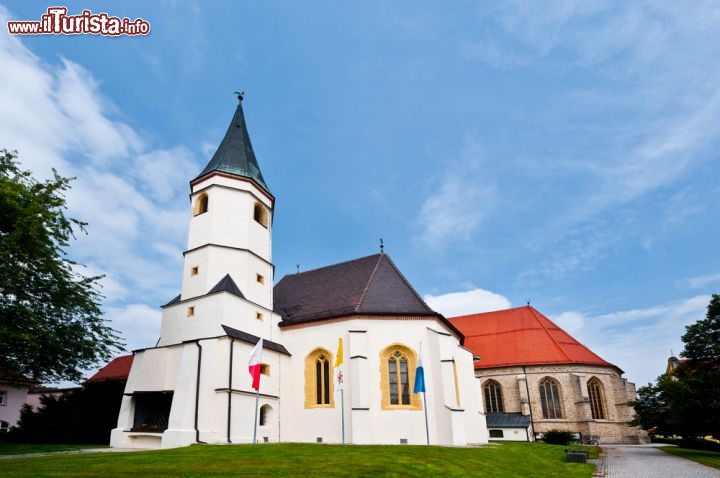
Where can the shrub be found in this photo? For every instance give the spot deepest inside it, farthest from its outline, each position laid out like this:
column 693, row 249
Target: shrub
column 558, row 437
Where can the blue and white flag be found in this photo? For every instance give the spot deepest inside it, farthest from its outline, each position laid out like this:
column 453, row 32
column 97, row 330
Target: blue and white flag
column 419, row 377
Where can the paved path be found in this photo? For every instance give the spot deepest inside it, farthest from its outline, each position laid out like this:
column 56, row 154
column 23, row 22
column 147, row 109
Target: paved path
column 646, row 461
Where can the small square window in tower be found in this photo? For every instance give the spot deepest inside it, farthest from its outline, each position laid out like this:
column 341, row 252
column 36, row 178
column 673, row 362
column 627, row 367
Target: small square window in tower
column 194, row 270
column 191, row 311
column 260, row 214
column 260, row 278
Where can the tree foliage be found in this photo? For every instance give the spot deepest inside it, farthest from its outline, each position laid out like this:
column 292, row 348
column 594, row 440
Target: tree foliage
column 687, row 402
column 51, row 326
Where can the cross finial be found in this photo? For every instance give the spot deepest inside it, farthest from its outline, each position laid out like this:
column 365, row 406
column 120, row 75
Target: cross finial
column 528, row 302
column 240, row 95
column 382, row 246
column 298, row 268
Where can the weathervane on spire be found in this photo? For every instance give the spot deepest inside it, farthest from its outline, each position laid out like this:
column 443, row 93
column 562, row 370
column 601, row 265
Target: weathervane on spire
column 382, row 247
column 240, row 95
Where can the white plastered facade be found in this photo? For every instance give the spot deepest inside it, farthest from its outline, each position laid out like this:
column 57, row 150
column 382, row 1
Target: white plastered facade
column 199, row 371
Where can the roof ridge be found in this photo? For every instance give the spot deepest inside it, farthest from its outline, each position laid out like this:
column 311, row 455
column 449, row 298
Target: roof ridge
column 407, row 283
column 367, row 285
column 328, row 266
column 552, row 339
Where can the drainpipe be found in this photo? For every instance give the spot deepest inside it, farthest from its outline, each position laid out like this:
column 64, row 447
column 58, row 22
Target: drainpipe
column 527, row 390
column 230, row 375
column 197, row 392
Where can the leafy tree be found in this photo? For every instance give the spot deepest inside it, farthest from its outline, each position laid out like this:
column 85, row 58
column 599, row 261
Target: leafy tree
column 51, row 327
column 687, row 403
column 652, row 407
column 698, row 399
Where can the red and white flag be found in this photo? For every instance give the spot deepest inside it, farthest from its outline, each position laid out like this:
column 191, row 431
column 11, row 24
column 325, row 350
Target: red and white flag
column 255, row 364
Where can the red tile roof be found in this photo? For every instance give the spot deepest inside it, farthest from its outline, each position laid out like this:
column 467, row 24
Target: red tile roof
column 117, row 369
column 521, row 336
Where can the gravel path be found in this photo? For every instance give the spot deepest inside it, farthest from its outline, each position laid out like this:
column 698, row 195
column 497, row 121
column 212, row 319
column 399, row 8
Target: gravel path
column 633, row 461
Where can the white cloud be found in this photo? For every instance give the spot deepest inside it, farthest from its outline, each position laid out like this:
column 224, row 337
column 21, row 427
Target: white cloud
column 473, row 301
column 570, row 322
column 140, row 324
column 132, row 196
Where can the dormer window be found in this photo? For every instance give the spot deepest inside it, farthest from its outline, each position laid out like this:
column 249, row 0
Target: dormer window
column 260, row 214
column 201, row 204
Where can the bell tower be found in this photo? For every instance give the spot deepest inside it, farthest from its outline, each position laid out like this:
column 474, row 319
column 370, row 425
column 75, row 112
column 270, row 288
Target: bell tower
column 229, row 244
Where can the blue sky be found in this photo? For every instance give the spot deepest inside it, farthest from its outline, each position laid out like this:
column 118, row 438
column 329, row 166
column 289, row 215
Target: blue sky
column 560, row 152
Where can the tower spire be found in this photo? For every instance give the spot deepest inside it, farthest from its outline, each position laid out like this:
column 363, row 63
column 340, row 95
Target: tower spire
column 235, row 154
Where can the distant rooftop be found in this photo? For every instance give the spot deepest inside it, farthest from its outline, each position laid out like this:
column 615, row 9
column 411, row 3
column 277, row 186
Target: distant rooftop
column 117, row 369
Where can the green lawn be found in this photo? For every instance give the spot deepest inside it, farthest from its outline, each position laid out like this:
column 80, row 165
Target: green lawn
column 535, row 460
column 709, row 458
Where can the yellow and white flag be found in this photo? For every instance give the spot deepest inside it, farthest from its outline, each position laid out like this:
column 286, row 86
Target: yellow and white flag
column 339, row 376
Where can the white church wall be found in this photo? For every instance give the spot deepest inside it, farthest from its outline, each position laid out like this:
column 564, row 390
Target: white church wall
column 365, row 420
column 210, row 313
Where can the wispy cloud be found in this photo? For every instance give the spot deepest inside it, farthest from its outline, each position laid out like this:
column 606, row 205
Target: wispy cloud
column 647, row 93
column 639, row 341
column 701, row 281
column 460, row 202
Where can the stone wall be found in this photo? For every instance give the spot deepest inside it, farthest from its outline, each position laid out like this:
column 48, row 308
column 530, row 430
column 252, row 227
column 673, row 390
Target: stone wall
column 521, row 393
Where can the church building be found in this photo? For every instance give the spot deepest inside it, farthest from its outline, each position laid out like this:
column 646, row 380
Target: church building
column 340, row 345
column 535, row 377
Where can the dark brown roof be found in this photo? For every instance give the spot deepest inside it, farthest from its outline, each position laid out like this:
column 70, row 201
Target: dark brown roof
column 253, row 339
column 226, row 284
column 369, row 285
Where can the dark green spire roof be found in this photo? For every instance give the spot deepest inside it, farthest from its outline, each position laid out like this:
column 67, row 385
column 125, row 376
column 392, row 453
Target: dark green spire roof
column 235, row 154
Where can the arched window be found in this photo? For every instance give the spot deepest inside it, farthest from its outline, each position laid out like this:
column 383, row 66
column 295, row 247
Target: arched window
column 319, row 379
column 260, row 214
column 550, row 398
column 201, row 204
column 397, row 372
column 597, row 400
column 493, row 397
column 265, row 412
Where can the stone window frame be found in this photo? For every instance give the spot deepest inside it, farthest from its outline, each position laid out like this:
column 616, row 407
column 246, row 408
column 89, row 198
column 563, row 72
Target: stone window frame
column 551, row 405
column 597, row 399
column 387, row 355
column 492, row 389
column 260, row 214
column 202, row 203
column 319, row 379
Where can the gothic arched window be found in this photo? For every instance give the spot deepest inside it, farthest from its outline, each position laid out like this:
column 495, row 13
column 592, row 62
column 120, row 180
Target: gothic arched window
column 397, row 372
column 319, row 379
column 597, row 400
column 550, row 398
column 493, row 397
